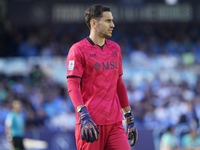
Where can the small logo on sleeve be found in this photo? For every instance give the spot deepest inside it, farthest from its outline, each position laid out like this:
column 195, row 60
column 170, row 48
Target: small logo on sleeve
column 71, row 65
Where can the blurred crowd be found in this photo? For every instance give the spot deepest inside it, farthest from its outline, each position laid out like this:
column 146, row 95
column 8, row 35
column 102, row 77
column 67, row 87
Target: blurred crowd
column 55, row 40
column 159, row 102
column 47, row 104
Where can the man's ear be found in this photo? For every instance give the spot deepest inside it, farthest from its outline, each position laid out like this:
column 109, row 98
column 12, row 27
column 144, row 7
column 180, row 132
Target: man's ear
column 93, row 23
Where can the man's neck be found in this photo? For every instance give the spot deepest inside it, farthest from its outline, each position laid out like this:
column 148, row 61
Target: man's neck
column 97, row 40
column 16, row 111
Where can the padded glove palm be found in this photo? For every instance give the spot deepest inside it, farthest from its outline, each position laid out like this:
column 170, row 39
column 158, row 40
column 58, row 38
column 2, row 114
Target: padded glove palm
column 89, row 130
column 131, row 128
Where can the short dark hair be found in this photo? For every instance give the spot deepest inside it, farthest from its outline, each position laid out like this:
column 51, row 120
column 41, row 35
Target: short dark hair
column 95, row 12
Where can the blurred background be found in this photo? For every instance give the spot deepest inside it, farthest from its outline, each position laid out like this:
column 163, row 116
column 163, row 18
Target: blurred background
column 160, row 42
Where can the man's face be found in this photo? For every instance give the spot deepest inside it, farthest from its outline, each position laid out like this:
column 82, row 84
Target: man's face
column 105, row 25
column 16, row 106
column 194, row 134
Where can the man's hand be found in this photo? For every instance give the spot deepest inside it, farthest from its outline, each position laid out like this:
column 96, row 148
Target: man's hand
column 89, row 130
column 131, row 128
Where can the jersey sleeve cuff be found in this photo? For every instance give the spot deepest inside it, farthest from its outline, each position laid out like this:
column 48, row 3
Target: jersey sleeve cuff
column 121, row 74
column 73, row 76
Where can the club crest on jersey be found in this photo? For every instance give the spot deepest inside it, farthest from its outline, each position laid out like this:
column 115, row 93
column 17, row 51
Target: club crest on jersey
column 114, row 53
column 71, row 65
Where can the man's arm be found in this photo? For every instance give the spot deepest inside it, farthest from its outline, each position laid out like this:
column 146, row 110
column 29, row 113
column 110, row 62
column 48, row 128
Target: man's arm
column 8, row 123
column 7, row 131
column 74, row 92
column 89, row 130
column 123, row 97
column 126, row 109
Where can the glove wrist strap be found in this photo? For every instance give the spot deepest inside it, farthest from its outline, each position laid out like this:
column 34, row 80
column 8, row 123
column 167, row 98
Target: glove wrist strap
column 83, row 113
column 127, row 112
column 129, row 118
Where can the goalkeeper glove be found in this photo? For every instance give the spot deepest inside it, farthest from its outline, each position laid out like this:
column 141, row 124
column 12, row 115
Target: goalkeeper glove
column 89, row 130
column 131, row 128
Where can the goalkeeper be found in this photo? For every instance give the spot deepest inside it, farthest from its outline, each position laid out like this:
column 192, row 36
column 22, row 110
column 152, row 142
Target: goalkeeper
column 95, row 85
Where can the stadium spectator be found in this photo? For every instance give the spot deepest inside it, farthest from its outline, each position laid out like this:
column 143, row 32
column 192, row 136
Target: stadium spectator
column 191, row 141
column 168, row 140
column 190, row 116
column 14, row 126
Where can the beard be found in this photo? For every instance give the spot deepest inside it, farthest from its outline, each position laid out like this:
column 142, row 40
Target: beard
column 105, row 35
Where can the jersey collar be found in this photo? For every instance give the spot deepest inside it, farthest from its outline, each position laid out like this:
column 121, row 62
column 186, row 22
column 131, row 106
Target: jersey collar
column 91, row 42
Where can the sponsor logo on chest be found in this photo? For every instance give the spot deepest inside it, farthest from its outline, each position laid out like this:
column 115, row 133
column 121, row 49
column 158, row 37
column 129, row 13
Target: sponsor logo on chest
column 110, row 65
